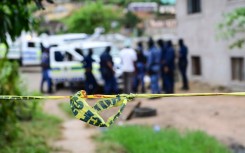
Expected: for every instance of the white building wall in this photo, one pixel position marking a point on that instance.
(199, 31)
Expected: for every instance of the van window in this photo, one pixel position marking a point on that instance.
(96, 51)
(58, 57)
(63, 56)
(31, 44)
(68, 56)
(79, 51)
(53, 45)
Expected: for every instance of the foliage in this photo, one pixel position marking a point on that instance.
(126, 2)
(137, 139)
(23, 127)
(15, 17)
(34, 135)
(11, 111)
(65, 106)
(16, 136)
(91, 16)
(7, 108)
(234, 26)
(130, 20)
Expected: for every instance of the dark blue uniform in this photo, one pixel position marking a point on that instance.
(154, 65)
(183, 52)
(45, 71)
(90, 83)
(140, 73)
(169, 69)
(163, 56)
(110, 83)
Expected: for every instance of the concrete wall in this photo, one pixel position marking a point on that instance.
(200, 34)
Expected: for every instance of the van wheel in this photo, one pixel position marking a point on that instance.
(54, 89)
(59, 86)
(20, 63)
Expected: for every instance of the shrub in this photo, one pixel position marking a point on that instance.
(11, 111)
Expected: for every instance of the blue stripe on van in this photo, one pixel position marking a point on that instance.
(71, 79)
(29, 52)
(31, 58)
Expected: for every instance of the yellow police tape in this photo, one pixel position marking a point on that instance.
(90, 115)
(84, 112)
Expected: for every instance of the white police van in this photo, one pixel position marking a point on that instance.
(25, 49)
(30, 52)
(61, 39)
(66, 61)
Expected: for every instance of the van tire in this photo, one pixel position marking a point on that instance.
(53, 86)
(20, 62)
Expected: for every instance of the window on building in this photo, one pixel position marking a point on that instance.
(196, 65)
(237, 68)
(193, 6)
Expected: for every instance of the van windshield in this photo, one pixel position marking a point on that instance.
(98, 51)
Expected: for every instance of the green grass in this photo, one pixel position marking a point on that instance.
(35, 135)
(65, 106)
(139, 139)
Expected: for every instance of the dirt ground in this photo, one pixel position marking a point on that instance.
(76, 137)
(222, 117)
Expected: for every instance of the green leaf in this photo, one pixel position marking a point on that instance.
(233, 26)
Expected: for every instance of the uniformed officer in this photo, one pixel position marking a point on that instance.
(154, 64)
(169, 68)
(162, 46)
(45, 64)
(90, 83)
(140, 69)
(107, 72)
(183, 62)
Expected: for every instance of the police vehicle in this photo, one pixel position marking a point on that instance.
(61, 39)
(26, 50)
(66, 62)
